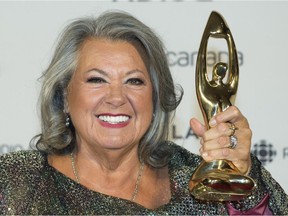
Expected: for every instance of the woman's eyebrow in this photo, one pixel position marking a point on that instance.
(105, 73)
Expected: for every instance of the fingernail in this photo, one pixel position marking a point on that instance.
(212, 122)
(204, 154)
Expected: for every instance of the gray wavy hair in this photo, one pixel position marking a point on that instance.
(56, 137)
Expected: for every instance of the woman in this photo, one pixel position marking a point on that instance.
(106, 103)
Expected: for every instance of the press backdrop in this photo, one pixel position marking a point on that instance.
(28, 31)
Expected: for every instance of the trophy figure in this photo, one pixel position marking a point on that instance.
(219, 180)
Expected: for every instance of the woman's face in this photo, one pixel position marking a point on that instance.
(109, 97)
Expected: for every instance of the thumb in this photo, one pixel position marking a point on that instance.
(197, 127)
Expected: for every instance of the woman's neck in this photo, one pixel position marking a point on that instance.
(108, 160)
(117, 176)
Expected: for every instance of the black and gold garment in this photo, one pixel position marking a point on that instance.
(29, 185)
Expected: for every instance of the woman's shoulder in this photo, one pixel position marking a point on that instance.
(22, 156)
(17, 163)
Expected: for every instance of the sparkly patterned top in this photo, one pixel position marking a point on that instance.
(29, 185)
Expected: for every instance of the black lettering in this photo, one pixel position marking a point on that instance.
(183, 59)
(285, 152)
(240, 58)
(174, 133)
(190, 133)
(211, 58)
(223, 56)
(171, 56)
(193, 58)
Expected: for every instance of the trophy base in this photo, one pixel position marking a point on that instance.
(220, 180)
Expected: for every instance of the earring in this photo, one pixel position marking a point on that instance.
(67, 122)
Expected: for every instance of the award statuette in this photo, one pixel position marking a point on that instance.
(219, 180)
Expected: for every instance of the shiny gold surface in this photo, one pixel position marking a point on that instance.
(218, 180)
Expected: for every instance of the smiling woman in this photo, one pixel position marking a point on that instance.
(106, 104)
(109, 98)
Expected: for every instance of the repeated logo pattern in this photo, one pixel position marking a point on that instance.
(264, 151)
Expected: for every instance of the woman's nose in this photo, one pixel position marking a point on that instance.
(115, 95)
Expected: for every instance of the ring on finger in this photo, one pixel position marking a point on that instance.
(233, 142)
(233, 128)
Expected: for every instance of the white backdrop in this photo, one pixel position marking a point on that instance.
(28, 31)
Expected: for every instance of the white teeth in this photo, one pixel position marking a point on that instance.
(114, 119)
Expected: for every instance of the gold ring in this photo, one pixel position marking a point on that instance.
(233, 128)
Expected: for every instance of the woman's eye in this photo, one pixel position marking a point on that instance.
(135, 81)
(95, 80)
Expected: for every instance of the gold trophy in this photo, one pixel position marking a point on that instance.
(219, 180)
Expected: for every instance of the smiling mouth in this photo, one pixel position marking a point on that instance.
(113, 119)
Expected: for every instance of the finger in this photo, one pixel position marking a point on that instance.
(220, 130)
(239, 158)
(197, 127)
(214, 141)
(218, 143)
(231, 114)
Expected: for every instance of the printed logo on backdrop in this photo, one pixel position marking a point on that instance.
(264, 151)
(153, 0)
(188, 133)
(6, 148)
(189, 58)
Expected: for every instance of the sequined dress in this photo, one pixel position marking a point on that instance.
(29, 185)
